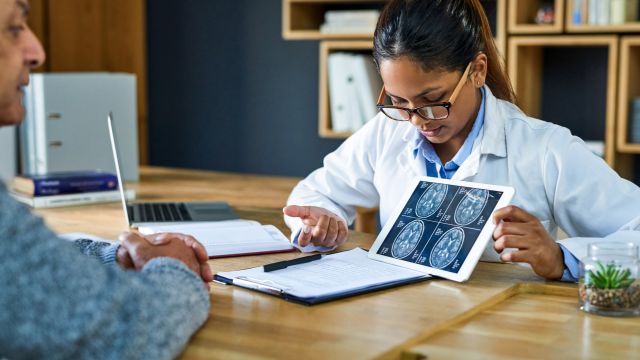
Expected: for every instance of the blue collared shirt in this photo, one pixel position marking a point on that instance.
(435, 168)
(571, 266)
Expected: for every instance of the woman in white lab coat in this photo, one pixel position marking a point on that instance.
(451, 114)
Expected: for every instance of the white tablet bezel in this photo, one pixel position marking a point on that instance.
(476, 250)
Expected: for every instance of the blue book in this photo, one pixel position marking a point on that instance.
(577, 12)
(65, 183)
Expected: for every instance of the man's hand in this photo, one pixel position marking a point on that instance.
(321, 227)
(123, 258)
(519, 229)
(190, 241)
(141, 249)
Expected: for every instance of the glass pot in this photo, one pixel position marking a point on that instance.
(609, 283)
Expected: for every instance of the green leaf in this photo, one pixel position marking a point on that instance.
(609, 276)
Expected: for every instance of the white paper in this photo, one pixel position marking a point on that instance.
(333, 274)
(233, 237)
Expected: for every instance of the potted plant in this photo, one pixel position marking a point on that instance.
(609, 290)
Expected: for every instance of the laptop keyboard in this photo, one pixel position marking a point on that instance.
(161, 212)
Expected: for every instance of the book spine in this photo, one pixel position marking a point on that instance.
(593, 12)
(73, 199)
(577, 12)
(584, 17)
(618, 11)
(632, 11)
(45, 187)
(604, 12)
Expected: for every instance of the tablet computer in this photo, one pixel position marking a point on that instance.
(441, 226)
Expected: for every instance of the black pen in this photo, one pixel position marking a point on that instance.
(283, 264)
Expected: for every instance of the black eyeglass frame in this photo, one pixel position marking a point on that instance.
(410, 111)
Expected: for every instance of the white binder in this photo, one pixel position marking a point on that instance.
(64, 129)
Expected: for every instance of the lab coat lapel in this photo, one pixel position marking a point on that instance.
(412, 165)
(470, 166)
(491, 140)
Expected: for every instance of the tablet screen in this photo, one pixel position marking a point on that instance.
(439, 224)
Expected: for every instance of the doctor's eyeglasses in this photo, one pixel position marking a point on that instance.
(438, 111)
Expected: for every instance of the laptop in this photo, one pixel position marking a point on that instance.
(166, 213)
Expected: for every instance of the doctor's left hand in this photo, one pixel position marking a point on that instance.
(519, 229)
(321, 226)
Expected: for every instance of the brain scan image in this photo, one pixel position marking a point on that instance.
(447, 248)
(471, 206)
(431, 200)
(407, 240)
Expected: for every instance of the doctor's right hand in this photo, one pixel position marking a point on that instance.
(321, 226)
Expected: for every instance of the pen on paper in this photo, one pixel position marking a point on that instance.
(284, 264)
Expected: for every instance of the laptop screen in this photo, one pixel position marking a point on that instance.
(116, 160)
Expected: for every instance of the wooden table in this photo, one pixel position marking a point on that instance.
(503, 311)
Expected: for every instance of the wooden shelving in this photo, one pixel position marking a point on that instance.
(628, 88)
(523, 12)
(525, 63)
(324, 113)
(301, 19)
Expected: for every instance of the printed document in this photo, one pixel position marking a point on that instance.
(335, 274)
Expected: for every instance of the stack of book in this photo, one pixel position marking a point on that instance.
(354, 84)
(350, 22)
(604, 12)
(66, 188)
(634, 134)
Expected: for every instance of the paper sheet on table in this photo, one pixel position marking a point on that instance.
(334, 274)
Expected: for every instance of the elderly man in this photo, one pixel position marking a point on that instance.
(61, 299)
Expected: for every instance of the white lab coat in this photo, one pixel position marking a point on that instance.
(555, 176)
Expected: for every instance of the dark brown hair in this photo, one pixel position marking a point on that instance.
(440, 35)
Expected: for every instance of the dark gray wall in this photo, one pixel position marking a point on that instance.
(576, 99)
(227, 93)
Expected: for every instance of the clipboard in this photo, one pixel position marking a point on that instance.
(365, 276)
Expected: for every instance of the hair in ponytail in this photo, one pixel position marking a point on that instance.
(440, 35)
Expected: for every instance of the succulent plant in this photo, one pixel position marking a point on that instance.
(609, 277)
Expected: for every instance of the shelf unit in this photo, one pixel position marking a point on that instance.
(324, 112)
(628, 88)
(522, 13)
(302, 20)
(525, 64)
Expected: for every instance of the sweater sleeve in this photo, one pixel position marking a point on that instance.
(59, 303)
(101, 250)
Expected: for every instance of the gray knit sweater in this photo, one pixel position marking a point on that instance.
(60, 303)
